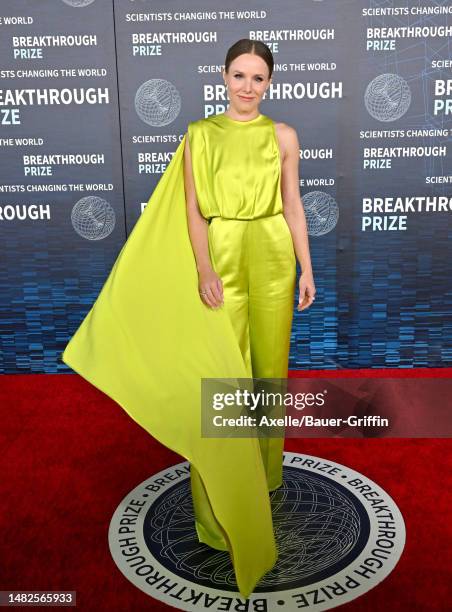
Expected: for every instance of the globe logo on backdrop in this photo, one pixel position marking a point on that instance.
(322, 212)
(157, 102)
(93, 218)
(78, 2)
(334, 540)
(387, 97)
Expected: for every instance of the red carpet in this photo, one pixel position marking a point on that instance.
(70, 454)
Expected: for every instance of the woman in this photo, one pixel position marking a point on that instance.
(150, 337)
(246, 188)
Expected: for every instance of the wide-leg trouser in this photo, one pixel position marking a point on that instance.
(256, 261)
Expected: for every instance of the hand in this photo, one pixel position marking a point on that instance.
(307, 291)
(210, 288)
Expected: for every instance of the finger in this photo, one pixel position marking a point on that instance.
(307, 303)
(220, 286)
(303, 301)
(216, 293)
(204, 296)
(302, 297)
(210, 298)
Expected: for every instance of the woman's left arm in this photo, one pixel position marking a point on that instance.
(294, 213)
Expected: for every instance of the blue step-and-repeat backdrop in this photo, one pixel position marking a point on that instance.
(95, 96)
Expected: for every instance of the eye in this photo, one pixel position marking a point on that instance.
(239, 76)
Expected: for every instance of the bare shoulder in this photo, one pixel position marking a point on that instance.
(194, 128)
(287, 137)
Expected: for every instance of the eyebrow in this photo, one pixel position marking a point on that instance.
(258, 74)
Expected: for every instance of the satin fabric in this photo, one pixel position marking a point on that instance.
(238, 187)
(238, 168)
(256, 262)
(148, 339)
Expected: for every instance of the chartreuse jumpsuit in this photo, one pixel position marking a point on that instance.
(237, 174)
(148, 340)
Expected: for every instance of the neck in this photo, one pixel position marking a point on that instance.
(241, 116)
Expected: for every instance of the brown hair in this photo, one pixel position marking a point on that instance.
(246, 45)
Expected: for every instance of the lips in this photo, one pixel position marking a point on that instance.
(245, 98)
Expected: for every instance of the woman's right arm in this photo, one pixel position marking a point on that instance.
(209, 281)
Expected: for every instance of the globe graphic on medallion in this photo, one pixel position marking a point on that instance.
(157, 102)
(387, 97)
(78, 2)
(322, 212)
(317, 527)
(93, 218)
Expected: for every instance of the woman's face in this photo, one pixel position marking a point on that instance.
(247, 80)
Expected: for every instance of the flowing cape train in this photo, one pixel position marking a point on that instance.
(146, 343)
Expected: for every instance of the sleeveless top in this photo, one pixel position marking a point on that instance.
(236, 167)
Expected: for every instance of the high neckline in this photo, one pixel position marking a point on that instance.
(241, 122)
